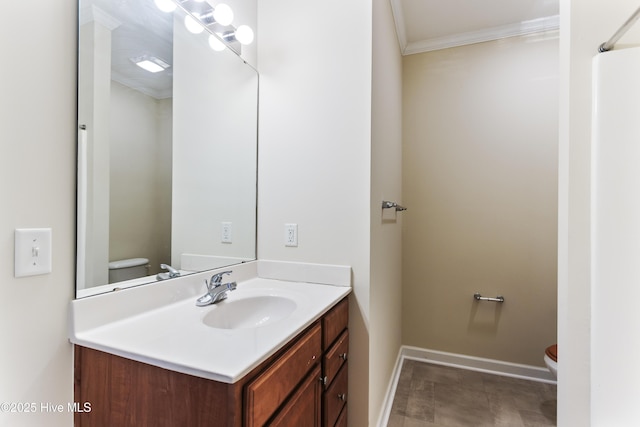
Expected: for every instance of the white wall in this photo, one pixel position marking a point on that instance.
(214, 150)
(315, 150)
(386, 226)
(583, 27)
(37, 189)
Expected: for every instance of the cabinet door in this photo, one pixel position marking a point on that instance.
(342, 419)
(303, 409)
(270, 389)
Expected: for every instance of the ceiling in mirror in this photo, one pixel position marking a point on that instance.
(138, 29)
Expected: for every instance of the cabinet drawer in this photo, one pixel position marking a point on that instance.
(335, 358)
(335, 398)
(271, 388)
(334, 322)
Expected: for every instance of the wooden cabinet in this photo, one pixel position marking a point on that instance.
(303, 384)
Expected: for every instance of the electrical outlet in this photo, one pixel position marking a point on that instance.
(291, 235)
(32, 251)
(226, 232)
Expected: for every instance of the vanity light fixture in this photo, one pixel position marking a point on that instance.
(201, 15)
(150, 63)
(222, 14)
(193, 23)
(242, 34)
(216, 44)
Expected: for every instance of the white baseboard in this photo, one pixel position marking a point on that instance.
(490, 366)
(383, 418)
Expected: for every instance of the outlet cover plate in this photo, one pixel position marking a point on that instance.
(291, 235)
(226, 232)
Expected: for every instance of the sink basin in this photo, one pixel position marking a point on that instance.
(250, 312)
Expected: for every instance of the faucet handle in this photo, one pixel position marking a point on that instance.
(172, 271)
(216, 279)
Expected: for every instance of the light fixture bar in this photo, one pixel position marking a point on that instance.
(217, 21)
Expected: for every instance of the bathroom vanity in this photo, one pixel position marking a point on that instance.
(176, 364)
(303, 384)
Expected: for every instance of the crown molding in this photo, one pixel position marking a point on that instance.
(401, 29)
(549, 23)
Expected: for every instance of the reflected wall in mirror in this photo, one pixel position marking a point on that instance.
(167, 158)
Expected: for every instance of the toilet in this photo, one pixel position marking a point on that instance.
(127, 269)
(551, 359)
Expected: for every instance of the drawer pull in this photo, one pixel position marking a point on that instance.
(343, 356)
(342, 396)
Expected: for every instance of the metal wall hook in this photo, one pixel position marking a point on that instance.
(388, 205)
(479, 297)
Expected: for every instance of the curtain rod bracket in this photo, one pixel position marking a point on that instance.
(608, 45)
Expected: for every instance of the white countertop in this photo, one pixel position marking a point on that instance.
(168, 331)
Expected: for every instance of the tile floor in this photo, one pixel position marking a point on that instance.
(434, 395)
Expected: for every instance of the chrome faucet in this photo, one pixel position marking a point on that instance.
(170, 275)
(216, 290)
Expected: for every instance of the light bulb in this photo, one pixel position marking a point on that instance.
(244, 34)
(151, 67)
(223, 14)
(193, 25)
(165, 5)
(216, 44)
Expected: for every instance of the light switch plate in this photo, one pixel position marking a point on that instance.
(32, 251)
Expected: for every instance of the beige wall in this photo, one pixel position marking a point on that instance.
(37, 189)
(480, 179)
(386, 226)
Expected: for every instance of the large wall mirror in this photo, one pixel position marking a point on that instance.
(167, 155)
